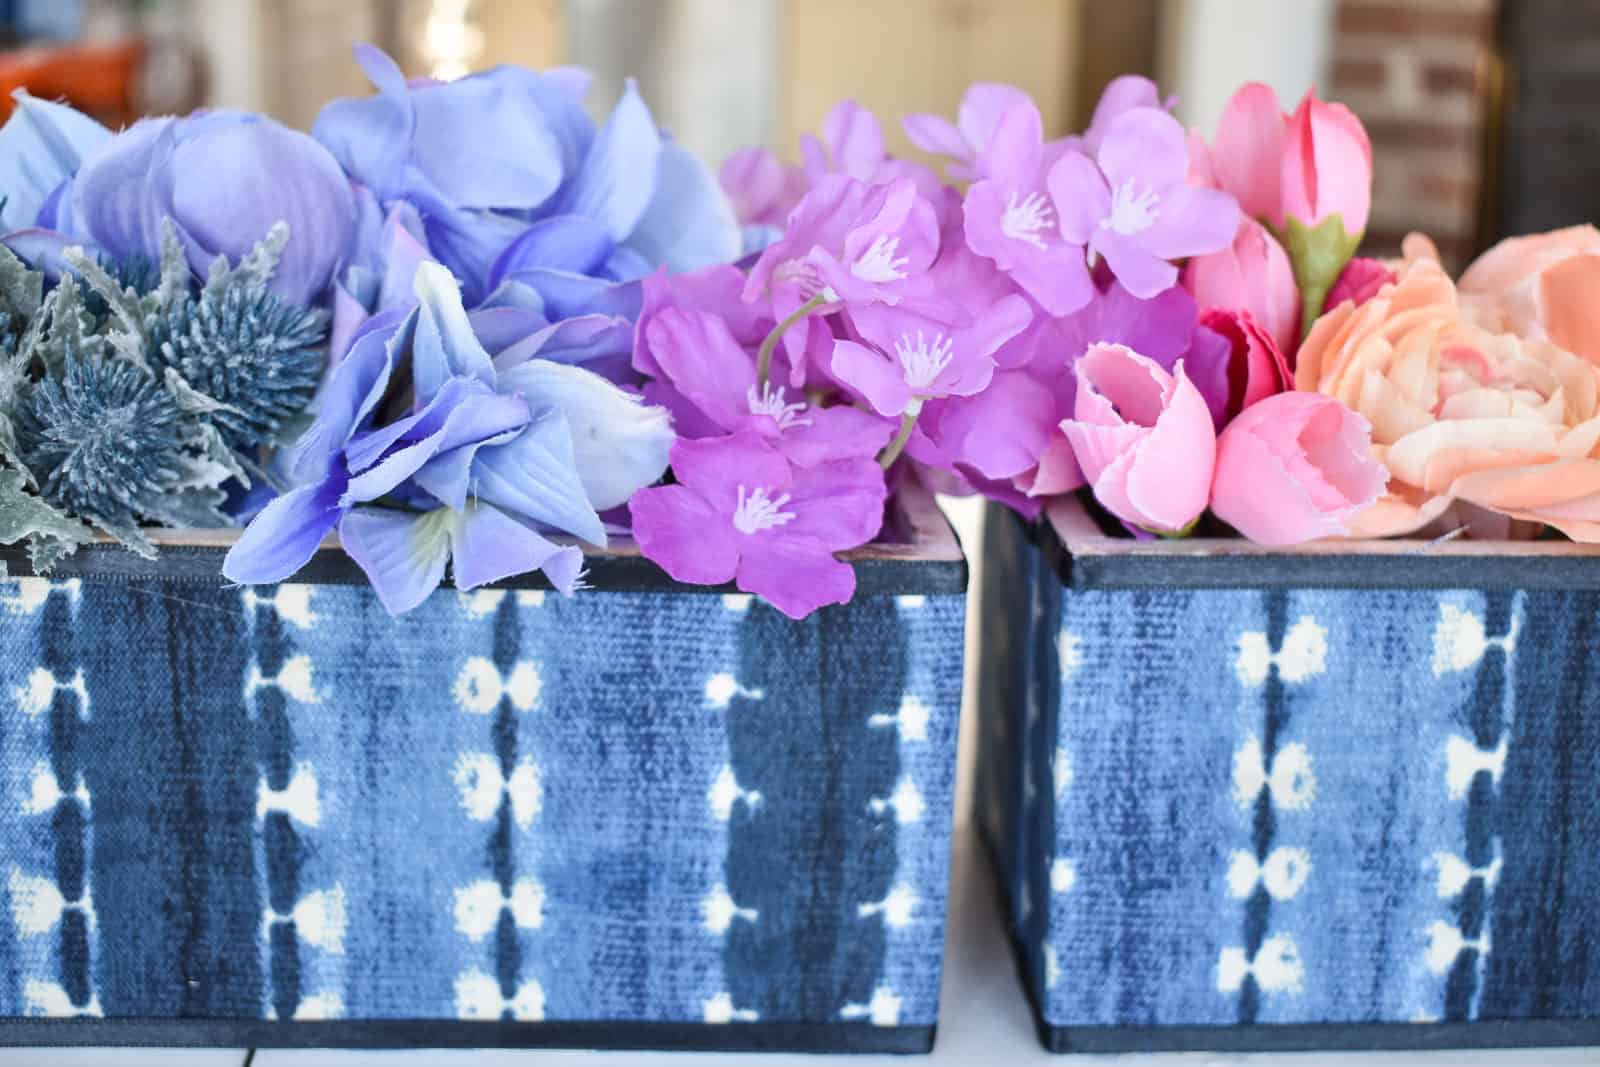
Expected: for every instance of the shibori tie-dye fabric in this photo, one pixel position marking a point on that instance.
(282, 804)
(1299, 806)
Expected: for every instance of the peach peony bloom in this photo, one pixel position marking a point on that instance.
(1541, 287)
(1460, 412)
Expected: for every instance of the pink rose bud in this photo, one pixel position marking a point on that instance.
(1360, 281)
(1257, 367)
(1295, 467)
(1327, 166)
(1253, 275)
(1144, 439)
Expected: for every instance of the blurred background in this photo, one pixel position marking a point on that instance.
(1481, 112)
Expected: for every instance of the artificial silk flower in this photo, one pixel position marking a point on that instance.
(700, 358)
(740, 512)
(762, 189)
(1253, 366)
(1540, 287)
(1253, 275)
(1122, 94)
(222, 179)
(42, 145)
(1011, 219)
(1164, 329)
(966, 142)
(1360, 281)
(1143, 438)
(1295, 467)
(910, 358)
(1308, 176)
(511, 446)
(846, 242)
(1459, 413)
(1133, 205)
(627, 198)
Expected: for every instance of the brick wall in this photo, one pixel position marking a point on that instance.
(1419, 73)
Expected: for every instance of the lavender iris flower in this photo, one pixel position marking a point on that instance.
(493, 454)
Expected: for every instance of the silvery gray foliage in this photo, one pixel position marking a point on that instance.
(125, 393)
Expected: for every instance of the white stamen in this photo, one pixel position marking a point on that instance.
(799, 273)
(770, 401)
(1132, 211)
(757, 511)
(878, 262)
(922, 360)
(1024, 219)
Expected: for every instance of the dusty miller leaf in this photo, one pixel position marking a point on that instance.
(24, 516)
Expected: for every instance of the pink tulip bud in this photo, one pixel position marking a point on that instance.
(1253, 275)
(1327, 166)
(1257, 367)
(1295, 467)
(1143, 438)
(1248, 160)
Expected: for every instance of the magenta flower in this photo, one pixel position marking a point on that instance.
(762, 189)
(1132, 204)
(966, 142)
(707, 367)
(1011, 220)
(741, 513)
(908, 358)
(848, 241)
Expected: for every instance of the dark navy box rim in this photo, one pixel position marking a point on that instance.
(931, 565)
(1281, 1037)
(845, 1037)
(1086, 560)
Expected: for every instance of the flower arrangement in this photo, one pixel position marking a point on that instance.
(463, 327)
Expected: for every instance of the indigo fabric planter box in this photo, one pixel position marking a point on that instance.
(1340, 797)
(647, 816)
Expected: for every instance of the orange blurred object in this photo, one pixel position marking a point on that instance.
(98, 79)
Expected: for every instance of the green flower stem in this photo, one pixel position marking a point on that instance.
(764, 356)
(1318, 255)
(908, 422)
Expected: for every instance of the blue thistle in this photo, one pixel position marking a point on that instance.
(241, 345)
(137, 272)
(10, 333)
(104, 441)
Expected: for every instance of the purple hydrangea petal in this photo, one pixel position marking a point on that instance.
(285, 535)
(562, 242)
(515, 162)
(935, 135)
(445, 346)
(716, 467)
(854, 139)
(41, 146)
(619, 445)
(1015, 147)
(689, 223)
(488, 545)
(348, 399)
(617, 179)
(112, 197)
(463, 413)
(468, 242)
(232, 176)
(567, 295)
(403, 553)
(837, 505)
(601, 342)
(534, 476)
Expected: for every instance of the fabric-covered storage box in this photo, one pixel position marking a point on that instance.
(1340, 797)
(646, 816)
